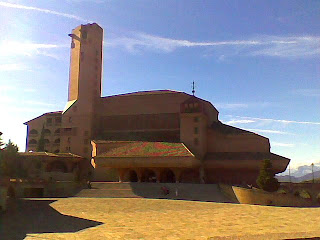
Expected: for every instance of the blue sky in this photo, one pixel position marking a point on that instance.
(256, 61)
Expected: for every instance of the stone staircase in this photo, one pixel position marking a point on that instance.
(181, 191)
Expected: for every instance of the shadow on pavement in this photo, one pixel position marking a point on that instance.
(25, 216)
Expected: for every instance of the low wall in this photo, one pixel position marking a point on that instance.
(312, 188)
(58, 176)
(22, 189)
(62, 189)
(3, 199)
(228, 192)
(259, 197)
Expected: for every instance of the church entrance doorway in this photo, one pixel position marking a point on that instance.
(168, 176)
(149, 176)
(133, 177)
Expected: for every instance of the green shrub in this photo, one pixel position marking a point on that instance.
(305, 194)
(266, 179)
(282, 191)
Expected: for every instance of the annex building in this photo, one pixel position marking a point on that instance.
(163, 135)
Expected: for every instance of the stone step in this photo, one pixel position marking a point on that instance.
(200, 192)
(102, 193)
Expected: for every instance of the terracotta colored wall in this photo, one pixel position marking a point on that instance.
(195, 141)
(142, 104)
(140, 122)
(231, 176)
(86, 63)
(80, 121)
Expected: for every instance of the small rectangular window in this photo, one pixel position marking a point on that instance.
(196, 119)
(86, 141)
(196, 130)
(86, 133)
(58, 120)
(196, 141)
(70, 119)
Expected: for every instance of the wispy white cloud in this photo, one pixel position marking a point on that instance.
(143, 40)
(275, 46)
(293, 47)
(13, 48)
(241, 121)
(269, 131)
(270, 120)
(307, 92)
(279, 144)
(12, 67)
(48, 11)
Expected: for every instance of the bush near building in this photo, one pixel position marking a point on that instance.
(266, 179)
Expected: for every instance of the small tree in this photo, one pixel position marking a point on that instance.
(41, 142)
(10, 159)
(266, 179)
(1, 143)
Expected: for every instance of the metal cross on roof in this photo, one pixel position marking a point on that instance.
(193, 91)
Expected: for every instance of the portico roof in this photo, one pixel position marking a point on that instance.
(149, 149)
(147, 154)
(50, 156)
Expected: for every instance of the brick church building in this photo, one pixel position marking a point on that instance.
(156, 136)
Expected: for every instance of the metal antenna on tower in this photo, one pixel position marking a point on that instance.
(193, 91)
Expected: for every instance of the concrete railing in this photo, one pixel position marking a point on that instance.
(260, 197)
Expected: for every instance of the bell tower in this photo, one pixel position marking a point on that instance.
(193, 126)
(78, 117)
(85, 63)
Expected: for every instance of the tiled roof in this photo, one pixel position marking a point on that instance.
(49, 154)
(149, 149)
(226, 129)
(37, 154)
(68, 155)
(151, 92)
(242, 156)
(48, 113)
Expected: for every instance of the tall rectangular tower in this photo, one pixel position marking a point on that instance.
(78, 117)
(86, 62)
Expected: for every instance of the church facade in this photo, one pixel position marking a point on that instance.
(162, 136)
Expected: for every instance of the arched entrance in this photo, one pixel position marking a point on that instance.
(167, 176)
(149, 176)
(132, 176)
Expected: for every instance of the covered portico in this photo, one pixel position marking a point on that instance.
(148, 162)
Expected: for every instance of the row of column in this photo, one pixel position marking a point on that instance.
(144, 173)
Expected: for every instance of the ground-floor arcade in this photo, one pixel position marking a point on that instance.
(160, 175)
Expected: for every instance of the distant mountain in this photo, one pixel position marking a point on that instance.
(295, 179)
